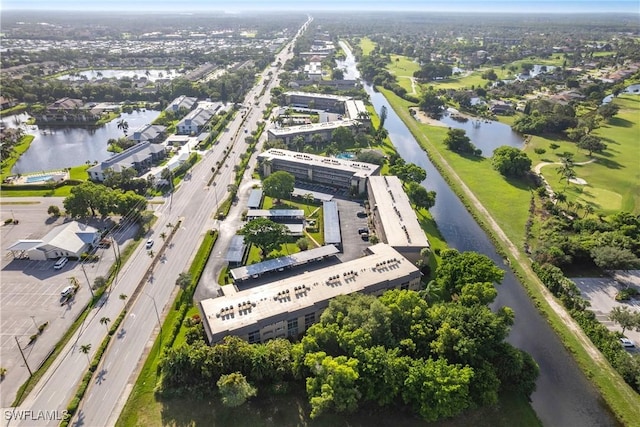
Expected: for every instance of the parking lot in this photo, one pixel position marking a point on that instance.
(601, 293)
(31, 293)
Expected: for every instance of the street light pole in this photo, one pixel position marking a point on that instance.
(88, 282)
(23, 358)
(155, 307)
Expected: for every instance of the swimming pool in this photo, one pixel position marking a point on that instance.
(32, 179)
(345, 156)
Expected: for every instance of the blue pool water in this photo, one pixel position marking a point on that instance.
(346, 156)
(32, 179)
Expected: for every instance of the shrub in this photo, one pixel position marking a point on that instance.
(626, 294)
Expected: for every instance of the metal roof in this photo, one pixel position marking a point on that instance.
(243, 273)
(24, 245)
(331, 223)
(236, 249)
(255, 197)
(323, 197)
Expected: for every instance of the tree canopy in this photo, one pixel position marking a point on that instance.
(92, 198)
(458, 141)
(510, 161)
(279, 185)
(420, 197)
(265, 234)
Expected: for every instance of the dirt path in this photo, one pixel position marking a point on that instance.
(524, 262)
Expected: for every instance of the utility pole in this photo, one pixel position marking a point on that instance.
(88, 282)
(155, 307)
(23, 358)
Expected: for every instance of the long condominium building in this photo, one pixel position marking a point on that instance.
(325, 130)
(339, 173)
(394, 219)
(290, 306)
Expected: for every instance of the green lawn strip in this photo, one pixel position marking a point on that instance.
(79, 173)
(403, 68)
(19, 148)
(17, 109)
(367, 45)
(142, 407)
(622, 400)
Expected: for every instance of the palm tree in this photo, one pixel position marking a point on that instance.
(86, 348)
(123, 297)
(588, 210)
(105, 321)
(123, 125)
(561, 197)
(163, 235)
(566, 169)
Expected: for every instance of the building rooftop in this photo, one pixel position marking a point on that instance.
(401, 226)
(128, 157)
(312, 127)
(331, 223)
(275, 299)
(271, 213)
(255, 197)
(181, 102)
(236, 249)
(354, 107)
(318, 95)
(358, 169)
(243, 273)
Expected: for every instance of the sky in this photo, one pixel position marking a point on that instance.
(510, 6)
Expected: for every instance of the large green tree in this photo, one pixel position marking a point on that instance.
(420, 197)
(408, 172)
(458, 269)
(592, 143)
(458, 141)
(279, 185)
(265, 234)
(510, 161)
(86, 197)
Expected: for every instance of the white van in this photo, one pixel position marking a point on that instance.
(61, 262)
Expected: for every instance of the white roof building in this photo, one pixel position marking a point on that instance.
(71, 240)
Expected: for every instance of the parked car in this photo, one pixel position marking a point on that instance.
(361, 214)
(365, 236)
(149, 244)
(60, 263)
(627, 343)
(363, 230)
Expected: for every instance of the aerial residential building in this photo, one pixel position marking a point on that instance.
(394, 219)
(151, 133)
(340, 173)
(313, 70)
(318, 101)
(289, 306)
(67, 111)
(182, 103)
(325, 130)
(194, 122)
(139, 157)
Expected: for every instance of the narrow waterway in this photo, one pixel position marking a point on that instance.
(564, 396)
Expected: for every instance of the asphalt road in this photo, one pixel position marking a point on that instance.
(195, 202)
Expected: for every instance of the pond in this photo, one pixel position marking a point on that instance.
(635, 89)
(487, 135)
(154, 74)
(57, 148)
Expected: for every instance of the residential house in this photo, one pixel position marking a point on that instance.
(139, 157)
(194, 122)
(152, 133)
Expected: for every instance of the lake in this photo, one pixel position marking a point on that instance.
(59, 147)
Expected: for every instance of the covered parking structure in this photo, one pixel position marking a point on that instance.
(256, 270)
(20, 249)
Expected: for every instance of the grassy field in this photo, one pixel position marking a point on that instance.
(403, 68)
(367, 45)
(21, 147)
(612, 180)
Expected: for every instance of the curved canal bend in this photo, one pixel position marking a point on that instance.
(564, 396)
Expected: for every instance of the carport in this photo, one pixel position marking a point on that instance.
(20, 248)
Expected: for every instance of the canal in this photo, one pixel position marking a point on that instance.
(564, 396)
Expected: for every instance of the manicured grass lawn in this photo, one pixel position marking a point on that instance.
(511, 209)
(403, 68)
(19, 148)
(612, 180)
(367, 45)
(79, 172)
